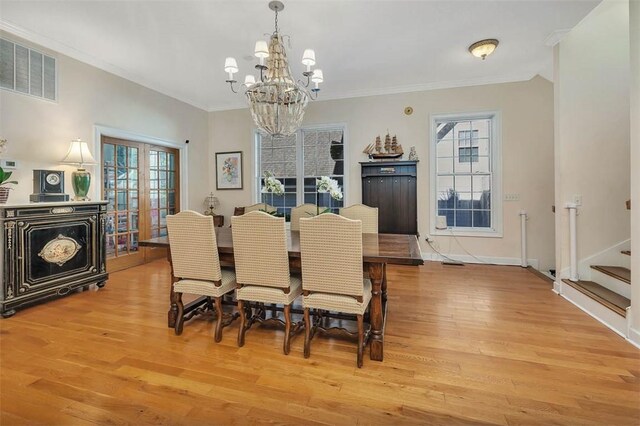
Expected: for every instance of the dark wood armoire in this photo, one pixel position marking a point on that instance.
(391, 187)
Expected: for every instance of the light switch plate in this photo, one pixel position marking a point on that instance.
(512, 197)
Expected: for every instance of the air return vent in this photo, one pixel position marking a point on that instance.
(27, 71)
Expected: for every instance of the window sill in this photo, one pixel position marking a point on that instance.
(492, 233)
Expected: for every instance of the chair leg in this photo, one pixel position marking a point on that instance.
(307, 333)
(287, 329)
(360, 339)
(243, 321)
(180, 315)
(218, 335)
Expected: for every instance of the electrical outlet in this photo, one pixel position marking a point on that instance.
(512, 197)
(577, 200)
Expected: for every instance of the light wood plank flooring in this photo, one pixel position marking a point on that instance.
(464, 345)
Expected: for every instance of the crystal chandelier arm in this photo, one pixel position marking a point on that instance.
(262, 69)
(231, 85)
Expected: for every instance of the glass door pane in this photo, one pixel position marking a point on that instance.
(120, 188)
(163, 184)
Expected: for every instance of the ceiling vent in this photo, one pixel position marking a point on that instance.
(27, 71)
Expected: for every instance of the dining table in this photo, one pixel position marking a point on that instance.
(378, 251)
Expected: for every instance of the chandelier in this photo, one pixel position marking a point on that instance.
(277, 101)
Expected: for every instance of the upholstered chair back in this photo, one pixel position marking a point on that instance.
(260, 250)
(303, 211)
(194, 248)
(331, 252)
(259, 207)
(368, 216)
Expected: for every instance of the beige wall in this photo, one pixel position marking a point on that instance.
(527, 140)
(634, 28)
(592, 139)
(39, 131)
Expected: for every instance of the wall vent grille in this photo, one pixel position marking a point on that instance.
(27, 71)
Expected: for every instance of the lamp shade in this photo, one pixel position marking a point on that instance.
(261, 50)
(317, 76)
(309, 57)
(79, 154)
(249, 80)
(230, 65)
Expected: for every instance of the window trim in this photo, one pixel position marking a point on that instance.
(255, 166)
(496, 231)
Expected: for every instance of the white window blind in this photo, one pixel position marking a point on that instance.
(297, 161)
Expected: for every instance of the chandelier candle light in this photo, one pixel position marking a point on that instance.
(80, 155)
(277, 102)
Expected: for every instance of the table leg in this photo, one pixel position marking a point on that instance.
(172, 315)
(376, 274)
(384, 282)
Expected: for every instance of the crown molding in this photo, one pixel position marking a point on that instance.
(394, 90)
(555, 37)
(86, 58)
(71, 52)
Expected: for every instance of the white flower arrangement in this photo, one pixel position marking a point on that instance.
(272, 185)
(326, 184)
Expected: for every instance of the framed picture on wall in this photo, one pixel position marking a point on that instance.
(229, 170)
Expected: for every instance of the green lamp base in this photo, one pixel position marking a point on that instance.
(81, 181)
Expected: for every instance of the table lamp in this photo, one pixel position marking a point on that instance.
(80, 155)
(211, 203)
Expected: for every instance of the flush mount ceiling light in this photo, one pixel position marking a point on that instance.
(483, 48)
(276, 100)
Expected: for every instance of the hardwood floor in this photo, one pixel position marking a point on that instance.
(464, 345)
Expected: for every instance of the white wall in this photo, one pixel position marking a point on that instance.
(592, 134)
(527, 140)
(634, 29)
(39, 131)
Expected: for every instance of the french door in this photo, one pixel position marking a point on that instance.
(141, 185)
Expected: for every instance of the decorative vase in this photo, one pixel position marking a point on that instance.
(4, 194)
(81, 180)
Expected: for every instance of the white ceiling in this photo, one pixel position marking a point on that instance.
(363, 47)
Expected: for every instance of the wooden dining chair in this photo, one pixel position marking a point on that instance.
(196, 265)
(260, 207)
(302, 211)
(262, 271)
(332, 277)
(368, 216)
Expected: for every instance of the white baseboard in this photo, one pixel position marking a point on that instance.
(634, 337)
(508, 261)
(601, 313)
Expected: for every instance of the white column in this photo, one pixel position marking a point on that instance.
(573, 242)
(523, 238)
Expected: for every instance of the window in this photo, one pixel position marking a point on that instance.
(468, 147)
(27, 71)
(465, 174)
(297, 161)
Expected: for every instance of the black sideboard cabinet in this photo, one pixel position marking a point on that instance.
(49, 250)
(391, 187)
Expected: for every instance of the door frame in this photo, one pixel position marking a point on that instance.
(99, 131)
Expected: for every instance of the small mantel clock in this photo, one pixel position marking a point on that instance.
(48, 186)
